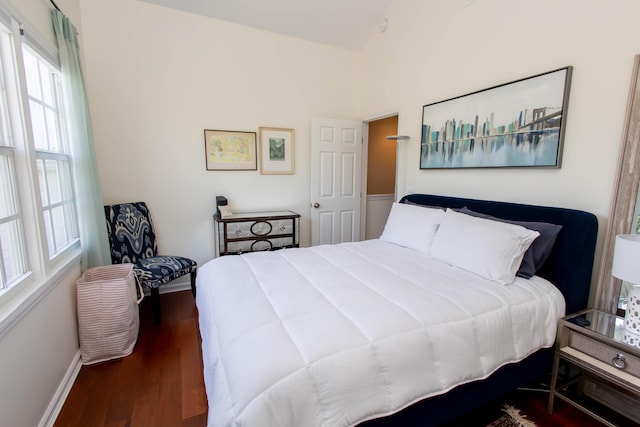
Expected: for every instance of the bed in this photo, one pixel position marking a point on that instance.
(392, 331)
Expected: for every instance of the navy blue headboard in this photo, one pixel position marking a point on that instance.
(570, 264)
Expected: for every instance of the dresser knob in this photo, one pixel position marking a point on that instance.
(619, 361)
(283, 228)
(238, 232)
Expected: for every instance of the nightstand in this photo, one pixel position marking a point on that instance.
(595, 370)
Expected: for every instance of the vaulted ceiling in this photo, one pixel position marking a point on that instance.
(343, 23)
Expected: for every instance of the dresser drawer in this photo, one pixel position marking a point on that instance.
(237, 230)
(250, 246)
(259, 228)
(605, 353)
(282, 226)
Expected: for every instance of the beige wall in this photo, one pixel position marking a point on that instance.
(37, 17)
(381, 156)
(437, 49)
(158, 77)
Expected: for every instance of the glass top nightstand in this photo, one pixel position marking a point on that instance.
(595, 369)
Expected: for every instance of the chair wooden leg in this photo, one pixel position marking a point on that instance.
(155, 305)
(193, 282)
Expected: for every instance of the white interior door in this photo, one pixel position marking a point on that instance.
(336, 180)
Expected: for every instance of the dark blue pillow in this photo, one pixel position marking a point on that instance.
(535, 257)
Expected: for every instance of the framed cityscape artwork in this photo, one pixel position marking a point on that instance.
(516, 124)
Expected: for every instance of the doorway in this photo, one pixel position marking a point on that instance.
(380, 174)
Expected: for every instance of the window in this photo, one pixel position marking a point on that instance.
(13, 259)
(52, 152)
(38, 218)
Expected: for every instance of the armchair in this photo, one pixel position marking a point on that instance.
(133, 240)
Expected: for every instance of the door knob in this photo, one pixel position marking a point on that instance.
(316, 205)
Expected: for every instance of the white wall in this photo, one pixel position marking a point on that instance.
(158, 77)
(438, 49)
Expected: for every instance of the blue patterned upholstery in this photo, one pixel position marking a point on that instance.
(133, 240)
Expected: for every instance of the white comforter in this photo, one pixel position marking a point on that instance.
(335, 335)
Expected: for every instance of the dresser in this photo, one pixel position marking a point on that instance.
(256, 231)
(596, 369)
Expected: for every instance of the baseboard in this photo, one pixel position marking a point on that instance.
(379, 197)
(174, 286)
(60, 396)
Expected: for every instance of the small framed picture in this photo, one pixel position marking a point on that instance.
(230, 150)
(276, 151)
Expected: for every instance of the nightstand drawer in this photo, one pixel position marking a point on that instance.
(605, 353)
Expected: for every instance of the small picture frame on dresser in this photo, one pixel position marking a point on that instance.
(276, 151)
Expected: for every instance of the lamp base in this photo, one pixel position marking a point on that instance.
(632, 315)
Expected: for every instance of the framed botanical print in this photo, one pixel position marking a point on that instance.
(276, 151)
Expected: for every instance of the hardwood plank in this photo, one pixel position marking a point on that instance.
(196, 421)
(126, 389)
(101, 390)
(170, 412)
(79, 397)
(194, 398)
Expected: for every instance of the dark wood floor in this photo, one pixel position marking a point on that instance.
(161, 383)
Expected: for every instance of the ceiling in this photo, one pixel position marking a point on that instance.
(343, 23)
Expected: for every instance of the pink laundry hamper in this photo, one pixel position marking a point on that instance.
(108, 318)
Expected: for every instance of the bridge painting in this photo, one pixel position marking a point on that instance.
(517, 124)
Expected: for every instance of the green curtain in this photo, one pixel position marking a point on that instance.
(93, 232)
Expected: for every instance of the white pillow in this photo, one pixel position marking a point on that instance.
(412, 226)
(488, 248)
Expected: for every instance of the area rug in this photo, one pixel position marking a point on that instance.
(512, 418)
